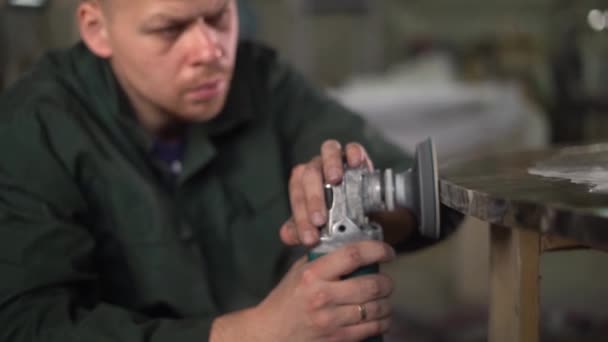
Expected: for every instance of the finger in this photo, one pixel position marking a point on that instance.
(355, 290)
(361, 289)
(360, 332)
(288, 233)
(306, 232)
(373, 311)
(312, 181)
(356, 156)
(331, 155)
(347, 259)
(345, 315)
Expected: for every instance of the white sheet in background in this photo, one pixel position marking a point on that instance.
(414, 101)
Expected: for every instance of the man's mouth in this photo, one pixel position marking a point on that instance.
(207, 91)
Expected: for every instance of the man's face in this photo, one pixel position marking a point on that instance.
(173, 57)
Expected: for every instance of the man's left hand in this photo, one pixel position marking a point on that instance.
(306, 190)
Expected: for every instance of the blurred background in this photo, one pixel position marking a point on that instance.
(480, 76)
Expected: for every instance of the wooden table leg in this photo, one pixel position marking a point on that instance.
(514, 285)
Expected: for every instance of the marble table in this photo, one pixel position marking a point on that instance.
(535, 201)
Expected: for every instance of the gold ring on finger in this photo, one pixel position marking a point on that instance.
(362, 312)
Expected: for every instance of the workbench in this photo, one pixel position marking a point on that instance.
(535, 202)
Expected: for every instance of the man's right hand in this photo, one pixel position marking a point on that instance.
(313, 303)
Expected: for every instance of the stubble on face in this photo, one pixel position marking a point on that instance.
(174, 58)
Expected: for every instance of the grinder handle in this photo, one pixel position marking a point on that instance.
(370, 269)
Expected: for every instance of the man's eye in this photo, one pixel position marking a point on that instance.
(218, 20)
(170, 31)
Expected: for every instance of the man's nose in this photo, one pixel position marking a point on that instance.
(204, 46)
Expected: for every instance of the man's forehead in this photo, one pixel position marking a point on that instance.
(170, 5)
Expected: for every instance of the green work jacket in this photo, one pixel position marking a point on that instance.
(98, 242)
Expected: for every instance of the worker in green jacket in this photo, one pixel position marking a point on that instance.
(157, 178)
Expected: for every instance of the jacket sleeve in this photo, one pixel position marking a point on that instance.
(307, 117)
(48, 281)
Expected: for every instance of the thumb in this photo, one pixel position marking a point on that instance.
(288, 233)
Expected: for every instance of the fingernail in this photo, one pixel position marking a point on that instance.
(318, 219)
(309, 238)
(393, 253)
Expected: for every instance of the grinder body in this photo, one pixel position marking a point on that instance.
(363, 192)
(348, 221)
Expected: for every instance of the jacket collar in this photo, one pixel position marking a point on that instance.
(98, 85)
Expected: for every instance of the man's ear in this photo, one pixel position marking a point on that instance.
(93, 27)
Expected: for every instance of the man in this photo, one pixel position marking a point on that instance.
(145, 174)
